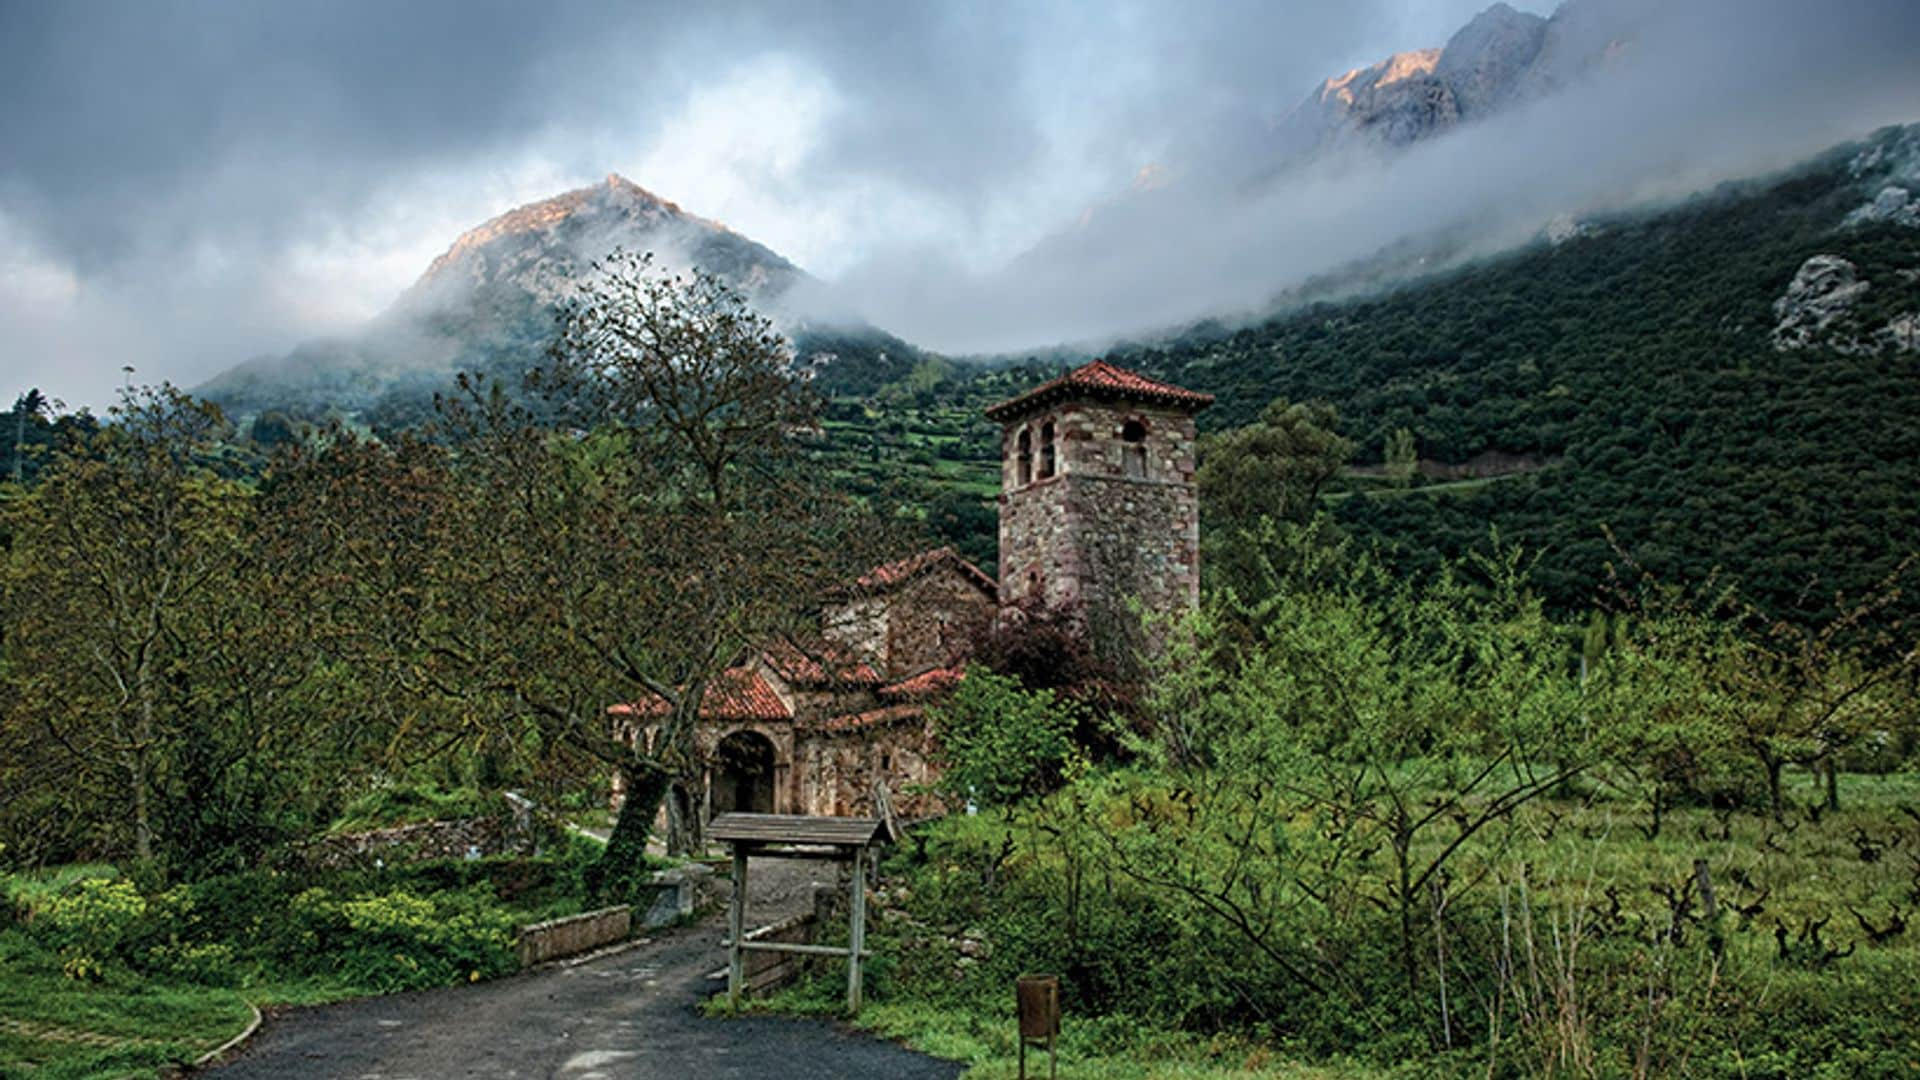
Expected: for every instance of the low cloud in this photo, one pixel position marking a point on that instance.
(189, 184)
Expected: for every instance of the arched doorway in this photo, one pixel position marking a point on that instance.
(743, 774)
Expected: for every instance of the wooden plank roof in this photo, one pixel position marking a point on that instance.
(796, 829)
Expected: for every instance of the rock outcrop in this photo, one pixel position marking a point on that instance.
(1819, 311)
(1893, 204)
(1822, 294)
(542, 249)
(1502, 58)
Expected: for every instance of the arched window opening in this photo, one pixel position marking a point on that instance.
(1046, 450)
(1025, 456)
(1133, 450)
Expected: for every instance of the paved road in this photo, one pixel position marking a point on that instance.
(631, 1014)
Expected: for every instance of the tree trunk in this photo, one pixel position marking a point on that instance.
(686, 833)
(1833, 782)
(1775, 799)
(1403, 857)
(139, 767)
(620, 867)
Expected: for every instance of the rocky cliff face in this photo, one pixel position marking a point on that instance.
(1502, 58)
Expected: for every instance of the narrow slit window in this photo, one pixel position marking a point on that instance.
(1025, 457)
(1133, 449)
(1046, 450)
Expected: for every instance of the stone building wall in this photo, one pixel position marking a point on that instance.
(1103, 528)
(838, 769)
(926, 622)
(934, 621)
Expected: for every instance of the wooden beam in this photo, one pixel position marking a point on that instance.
(751, 945)
(857, 941)
(736, 927)
(815, 854)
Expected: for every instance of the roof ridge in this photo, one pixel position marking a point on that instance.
(1101, 378)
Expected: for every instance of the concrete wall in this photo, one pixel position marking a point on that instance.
(555, 938)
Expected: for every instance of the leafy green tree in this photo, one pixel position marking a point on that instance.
(1401, 722)
(1260, 486)
(1275, 467)
(1000, 742)
(1403, 460)
(125, 537)
(636, 562)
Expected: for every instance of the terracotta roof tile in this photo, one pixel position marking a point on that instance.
(808, 667)
(1100, 379)
(890, 714)
(894, 574)
(925, 685)
(738, 694)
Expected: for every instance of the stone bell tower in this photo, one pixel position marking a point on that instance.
(1097, 497)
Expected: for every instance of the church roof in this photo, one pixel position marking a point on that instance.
(1105, 382)
(898, 573)
(740, 693)
(809, 666)
(887, 714)
(927, 684)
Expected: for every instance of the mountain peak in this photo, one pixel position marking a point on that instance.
(1483, 60)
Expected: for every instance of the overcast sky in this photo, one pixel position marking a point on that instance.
(186, 185)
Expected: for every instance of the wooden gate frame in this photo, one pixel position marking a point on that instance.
(794, 836)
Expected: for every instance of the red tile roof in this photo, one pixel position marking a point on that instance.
(927, 684)
(808, 666)
(738, 694)
(1104, 381)
(895, 574)
(891, 714)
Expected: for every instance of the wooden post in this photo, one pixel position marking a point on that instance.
(737, 926)
(857, 932)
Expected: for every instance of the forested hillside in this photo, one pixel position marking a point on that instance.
(1626, 380)
(1636, 369)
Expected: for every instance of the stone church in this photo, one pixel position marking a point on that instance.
(1097, 508)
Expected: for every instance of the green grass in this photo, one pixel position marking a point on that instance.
(1767, 1016)
(124, 1024)
(136, 1012)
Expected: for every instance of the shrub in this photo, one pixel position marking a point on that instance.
(402, 941)
(1000, 741)
(89, 924)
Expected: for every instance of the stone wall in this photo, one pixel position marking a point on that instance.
(1104, 529)
(934, 621)
(838, 769)
(455, 839)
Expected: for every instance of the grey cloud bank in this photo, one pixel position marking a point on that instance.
(185, 185)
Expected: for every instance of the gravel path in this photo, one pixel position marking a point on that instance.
(631, 1014)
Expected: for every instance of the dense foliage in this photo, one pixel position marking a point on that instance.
(1420, 827)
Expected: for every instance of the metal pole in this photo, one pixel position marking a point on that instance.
(858, 930)
(736, 926)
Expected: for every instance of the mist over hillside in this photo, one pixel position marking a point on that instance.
(1445, 154)
(1518, 126)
